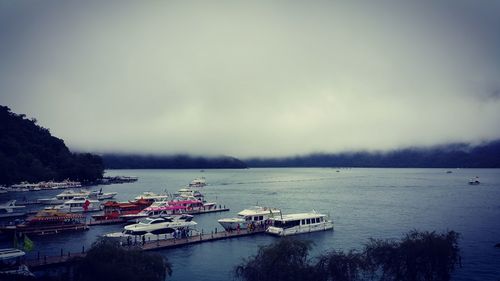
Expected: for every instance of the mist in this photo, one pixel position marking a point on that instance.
(253, 78)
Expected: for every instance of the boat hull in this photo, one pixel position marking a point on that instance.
(299, 229)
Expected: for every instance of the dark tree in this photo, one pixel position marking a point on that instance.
(284, 260)
(107, 260)
(340, 266)
(419, 256)
(28, 152)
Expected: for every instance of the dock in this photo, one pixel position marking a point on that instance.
(42, 261)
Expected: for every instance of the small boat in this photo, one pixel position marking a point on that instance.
(7, 210)
(64, 196)
(153, 228)
(198, 182)
(114, 210)
(256, 215)
(99, 195)
(299, 223)
(77, 205)
(474, 181)
(49, 222)
(151, 196)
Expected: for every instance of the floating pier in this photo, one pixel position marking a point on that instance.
(42, 261)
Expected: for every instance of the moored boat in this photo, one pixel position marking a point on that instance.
(99, 195)
(257, 215)
(151, 196)
(8, 210)
(77, 205)
(299, 223)
(64, 196)
(156, 228)
(114, 210)
(49, 222)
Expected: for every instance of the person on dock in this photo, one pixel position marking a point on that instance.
(143, 240)
(238, 228)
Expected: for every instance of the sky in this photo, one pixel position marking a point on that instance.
(253, 78)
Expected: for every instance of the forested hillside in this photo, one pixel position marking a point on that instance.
(28, 152)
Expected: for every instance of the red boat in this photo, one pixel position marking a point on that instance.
(113, 210)
(50, 222)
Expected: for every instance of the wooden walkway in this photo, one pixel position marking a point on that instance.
(47, 261)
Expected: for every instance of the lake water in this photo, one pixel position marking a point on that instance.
(364, 203)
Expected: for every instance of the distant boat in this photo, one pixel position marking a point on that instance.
(449, 172)
(198, 182)
(474, 181)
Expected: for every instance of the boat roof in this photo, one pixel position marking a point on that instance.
(299, 216)
(10, 253)
(257, 210)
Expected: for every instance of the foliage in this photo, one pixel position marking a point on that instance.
(29, 152)
(285, 260)
(419, 256)
(340, 266)
(107, 260)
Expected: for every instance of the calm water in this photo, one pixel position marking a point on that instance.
(364, 203)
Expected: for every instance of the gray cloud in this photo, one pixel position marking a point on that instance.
(253, 78)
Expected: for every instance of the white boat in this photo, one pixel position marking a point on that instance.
(151, 196)
(10, 260)
(474, 181)
(299, 223)
(8, 210)
(10, 254)
(64, 196)
(198, 182)
(99, 195)
(189, 193)
(156, 228)
(256, 215)
(77, 205)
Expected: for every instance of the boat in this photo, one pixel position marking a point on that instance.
(156, 228)
(10, 263)
(188, 192)
(77, 205)
(99, 195)
(49, 222)
(178, 205)
(7, 210)
(198, 182)
(151, 196)
(114, 210)
(474, 181)
(64, 196)
(299, 223)
(256, 215)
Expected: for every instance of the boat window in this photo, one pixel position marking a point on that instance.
(303, 222)
(261, 218)
(308, 221)
(163, 231)
(248, 218)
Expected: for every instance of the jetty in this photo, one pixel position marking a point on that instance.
(43, 261)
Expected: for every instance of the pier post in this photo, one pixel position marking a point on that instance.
(38, 255)
(69, 254)
(83, 249)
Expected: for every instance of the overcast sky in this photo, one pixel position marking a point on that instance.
(254, 78)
